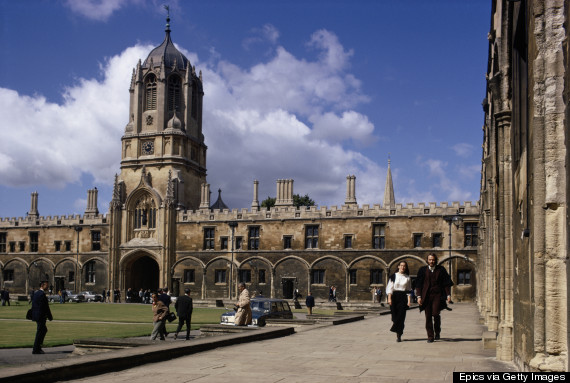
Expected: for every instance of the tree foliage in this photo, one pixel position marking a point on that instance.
(298, 200)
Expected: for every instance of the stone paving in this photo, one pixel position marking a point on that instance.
(363, 352)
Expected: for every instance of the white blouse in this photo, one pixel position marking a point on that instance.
(402, 283)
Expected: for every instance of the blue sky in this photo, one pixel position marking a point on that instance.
(307, 90)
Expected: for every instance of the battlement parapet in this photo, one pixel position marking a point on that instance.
(64, 220)
(344, 211)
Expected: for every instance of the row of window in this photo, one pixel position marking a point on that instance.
(11, 246)
(317, 276)
(312, 238)
(89, 269)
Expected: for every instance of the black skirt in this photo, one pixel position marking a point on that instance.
(398, 308)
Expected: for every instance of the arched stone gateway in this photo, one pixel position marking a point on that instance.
(142, 272)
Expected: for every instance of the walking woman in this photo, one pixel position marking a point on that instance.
(159, 311)
(399, 297)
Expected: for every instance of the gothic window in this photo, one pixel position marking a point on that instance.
(150, 92)
(261, 276)
(224, 243)
(375, 276)
(348, 241)
(239, 241)
(287, 241)
(12, 247)
(189, 276)
(34, 241)
(318, 277)
(90, 272)
(352, 276)
(145, 213)
(253, 243)
(95, 240)
(437, 239)
(417, 240)
(220, 276)
(379, 236)
(463, 277)
(174, 93)
(209, 238)
(312, 237)
(470, 233)
(2, 242)
(245, 276)
(57, 245)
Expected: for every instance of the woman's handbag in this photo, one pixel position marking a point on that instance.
(171, 317)
(29, 314)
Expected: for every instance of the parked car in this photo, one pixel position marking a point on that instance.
(91, 296)
(73, 297)
(53, 297)
(261, 310)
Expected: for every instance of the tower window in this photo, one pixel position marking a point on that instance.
(437, 239)
(34, 241)
(95, 240)
(174, 93)
(150, 90)
(194, 101)
(2, 242)
(417, 240)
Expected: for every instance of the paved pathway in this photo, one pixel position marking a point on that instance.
(362, 352)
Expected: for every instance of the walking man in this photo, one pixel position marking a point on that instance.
(310, 302)
(433, 288)
(184, 308)
(40, 313)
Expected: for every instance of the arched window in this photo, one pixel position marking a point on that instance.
(150, 92)
(90, 272)
(174, 93)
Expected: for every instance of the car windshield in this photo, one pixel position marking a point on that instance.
(260, 306)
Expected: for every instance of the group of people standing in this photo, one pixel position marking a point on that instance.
(433, 291)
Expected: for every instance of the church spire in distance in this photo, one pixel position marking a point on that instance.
(389, 200)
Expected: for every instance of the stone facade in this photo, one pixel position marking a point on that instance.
(523, 248)
(161, 229)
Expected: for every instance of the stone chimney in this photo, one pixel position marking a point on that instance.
(350, 190)
(255, 203)
(205, 196)
(284, 193)
(33, 213)
(92, 202)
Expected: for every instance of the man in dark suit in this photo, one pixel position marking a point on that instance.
(310, 302)
(433, 289)
(184, 308)
(40, 313)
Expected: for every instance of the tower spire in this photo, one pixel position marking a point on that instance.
(167, 30)
(389, 200)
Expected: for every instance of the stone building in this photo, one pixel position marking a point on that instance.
(162, 230)
(523, 249)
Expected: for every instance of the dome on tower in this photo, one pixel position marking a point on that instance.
(166, 52)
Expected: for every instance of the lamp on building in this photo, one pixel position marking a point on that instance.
(233, 225)
(78, 229)
(456, 220)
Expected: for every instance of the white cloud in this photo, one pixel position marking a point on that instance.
(267, 33)
(95, 9)
(257, 124)
(463, 149)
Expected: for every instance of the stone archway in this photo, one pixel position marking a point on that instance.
(143, 272)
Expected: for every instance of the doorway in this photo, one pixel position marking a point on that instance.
(288, 287)
(142, 273)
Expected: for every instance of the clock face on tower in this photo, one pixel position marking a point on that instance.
(147, 147)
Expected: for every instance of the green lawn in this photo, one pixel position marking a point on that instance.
(135, 320)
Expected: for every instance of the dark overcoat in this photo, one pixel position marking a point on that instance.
(40, 307)
(184, 306)
(429, 293)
